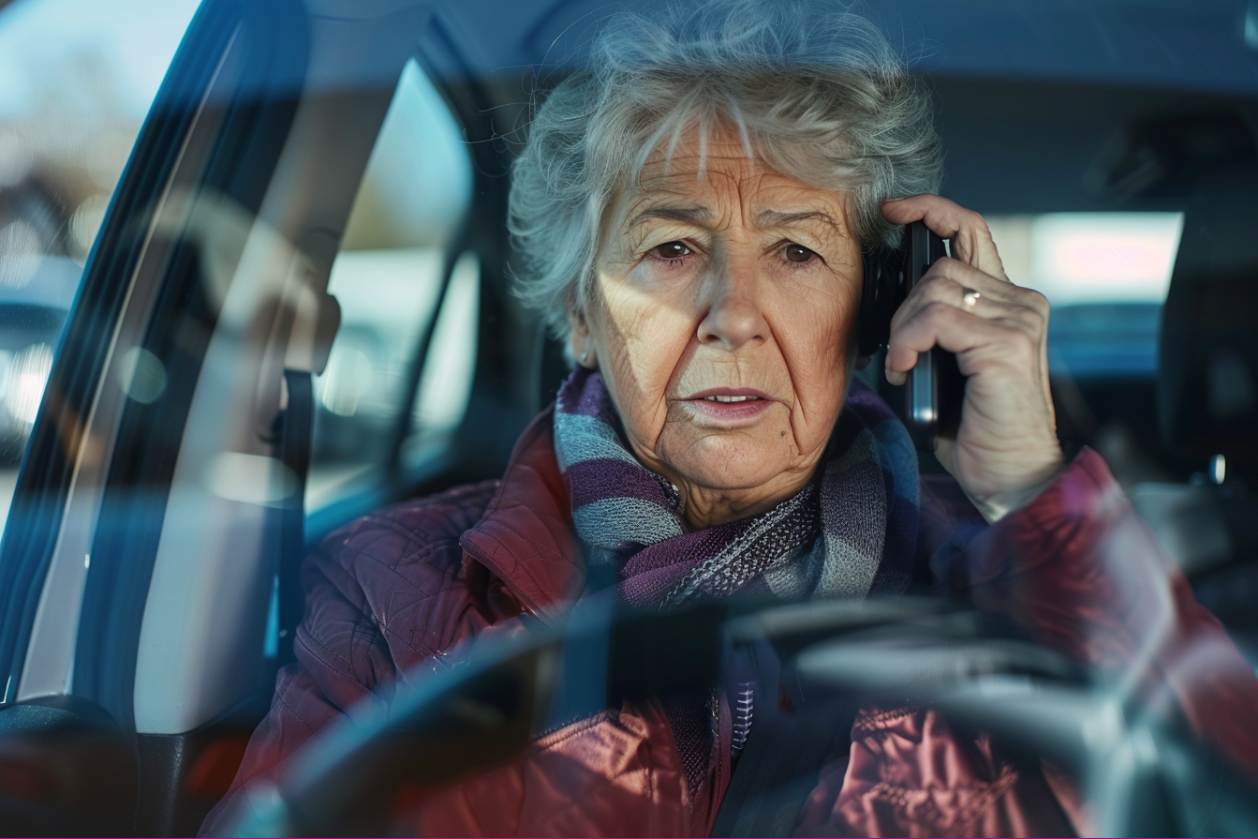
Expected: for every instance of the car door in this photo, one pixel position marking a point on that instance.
(211, 390)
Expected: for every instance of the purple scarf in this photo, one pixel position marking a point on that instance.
(849, 533)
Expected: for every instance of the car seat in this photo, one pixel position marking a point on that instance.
(1207, 398)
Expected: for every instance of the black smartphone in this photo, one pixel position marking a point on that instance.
(935, 388)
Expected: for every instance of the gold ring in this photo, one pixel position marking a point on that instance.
(969, 298)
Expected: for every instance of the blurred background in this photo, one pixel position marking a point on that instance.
(76, 81)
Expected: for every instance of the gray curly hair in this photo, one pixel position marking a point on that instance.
(813, 89)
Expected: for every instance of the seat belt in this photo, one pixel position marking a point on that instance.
(293, 439)
(777, 770)
(780, 763)
(304, 324)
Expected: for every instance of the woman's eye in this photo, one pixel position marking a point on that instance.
(672, 250)
(798, 253)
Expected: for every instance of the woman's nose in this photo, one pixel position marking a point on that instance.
(734, 316)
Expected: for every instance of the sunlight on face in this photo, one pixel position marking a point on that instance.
(722, 318)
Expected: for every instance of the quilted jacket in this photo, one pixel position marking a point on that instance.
(390, 595)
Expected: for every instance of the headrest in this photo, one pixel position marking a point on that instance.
(1208, 364)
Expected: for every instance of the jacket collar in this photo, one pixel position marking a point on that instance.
(525, 536)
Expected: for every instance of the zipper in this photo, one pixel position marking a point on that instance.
(744, 711)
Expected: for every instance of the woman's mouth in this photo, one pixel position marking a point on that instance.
(728, 407)
(729, 398)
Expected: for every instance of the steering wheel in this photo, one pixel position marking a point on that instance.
(823, 656)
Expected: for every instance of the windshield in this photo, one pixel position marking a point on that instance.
(728, 418)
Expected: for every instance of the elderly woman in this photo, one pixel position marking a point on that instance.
(692, 210)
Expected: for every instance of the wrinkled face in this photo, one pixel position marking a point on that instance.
(723, 316)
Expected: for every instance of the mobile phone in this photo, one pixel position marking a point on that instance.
(935, 388)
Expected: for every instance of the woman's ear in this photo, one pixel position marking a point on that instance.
(579, 340)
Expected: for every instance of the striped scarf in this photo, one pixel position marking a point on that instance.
(849, 533)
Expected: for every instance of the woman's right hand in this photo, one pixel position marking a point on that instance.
(1006, 450)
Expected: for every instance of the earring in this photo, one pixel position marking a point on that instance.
(585, 356)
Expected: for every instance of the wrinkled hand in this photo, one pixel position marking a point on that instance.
(1006, 451)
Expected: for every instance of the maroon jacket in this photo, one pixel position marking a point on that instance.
(390, 595)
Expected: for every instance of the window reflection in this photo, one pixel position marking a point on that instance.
(76, 80)
(388, 279)
(1106, 276)
(1090, 257)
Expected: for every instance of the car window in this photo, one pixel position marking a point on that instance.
(76, 80)
(1106, 275)
(389, 280)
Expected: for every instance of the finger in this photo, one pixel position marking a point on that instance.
(939, 287)
(949, 281)
(971, 239)
(977, 341)
(979, 294)
(946, 291)
(1009, 306)
(981, 345)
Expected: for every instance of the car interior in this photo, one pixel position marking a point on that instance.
(299, 310)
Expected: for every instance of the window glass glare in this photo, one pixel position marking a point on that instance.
(1106, 276)
(419, 181)
(1090, 257)
(445, 385)
(88, 58)
(388, 279)
(76, 80)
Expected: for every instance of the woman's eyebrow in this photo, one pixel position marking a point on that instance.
(687, 215)
(775, 218)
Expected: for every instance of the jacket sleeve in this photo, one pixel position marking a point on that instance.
(341, 659)
(387, 599)
(1079, 570)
